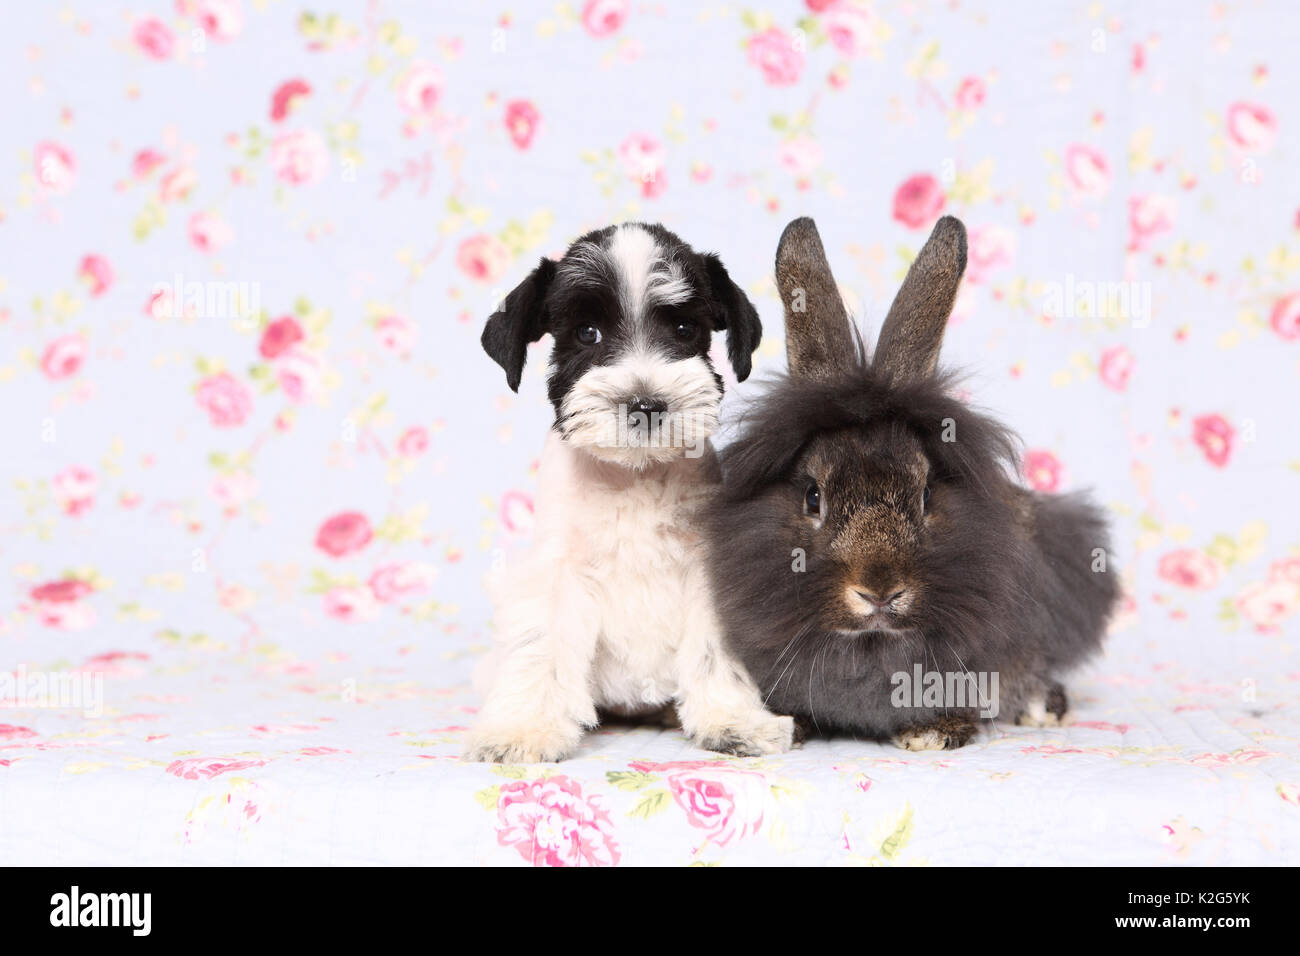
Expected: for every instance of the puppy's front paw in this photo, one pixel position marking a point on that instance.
(763, 734)
(531, 744)
(941, 735)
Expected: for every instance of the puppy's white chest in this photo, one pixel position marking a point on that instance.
(631, 537)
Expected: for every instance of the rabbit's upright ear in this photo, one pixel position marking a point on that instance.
(521, 319)
(913, 330)
(818, 339)
(733, 311)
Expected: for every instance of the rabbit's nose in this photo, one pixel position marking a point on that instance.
(873, 598)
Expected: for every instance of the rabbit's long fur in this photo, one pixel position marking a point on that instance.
(871, 522)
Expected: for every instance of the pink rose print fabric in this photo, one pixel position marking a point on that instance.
(257, 463)
(549, 823)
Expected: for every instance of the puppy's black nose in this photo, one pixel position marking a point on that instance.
(647, 406)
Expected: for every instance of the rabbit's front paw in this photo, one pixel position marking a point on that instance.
(762, 734)
(1047, 710)
(523, 744)
(944, 734)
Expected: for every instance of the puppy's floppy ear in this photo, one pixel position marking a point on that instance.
(818, 338)
(734, 312)
(913, 331)
(522, 319)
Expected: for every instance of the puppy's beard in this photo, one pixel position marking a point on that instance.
(594, 415)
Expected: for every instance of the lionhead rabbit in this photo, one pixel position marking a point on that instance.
(879, 570)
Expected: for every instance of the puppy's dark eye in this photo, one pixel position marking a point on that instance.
(925, 499)
(588, 334)
(685, 331)
(812, 500)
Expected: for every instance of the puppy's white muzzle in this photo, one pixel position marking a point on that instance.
(642, 410)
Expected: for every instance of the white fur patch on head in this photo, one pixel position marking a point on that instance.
(595, 412)
(645, 279)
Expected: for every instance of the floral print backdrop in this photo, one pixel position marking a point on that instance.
(249, 246)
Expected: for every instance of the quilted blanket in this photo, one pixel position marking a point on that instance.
(256, 463)
(209, 756)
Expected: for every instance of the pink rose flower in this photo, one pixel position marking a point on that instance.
(643, 158)
(299, 157)
(600, 18)
(1042, 470)
(1213, 435)
(989, 248)
(74, 489)
(234, 488)
(222, 20)
(63, 591)
(209, 232)
(1285, 319)
(1251, 126)
(801, 155)
(483, 258)
(280, 336)
(971, 93)
(56, 167)
(413, 442)
(393, 582)
(64, 615)
(419, 88)
(549, 823)
(64, 357)
(1116, 367)
(345, 533)
(517, 512)
(161, 304)
(286, 97)
(154, 38)
(96, 273)
(1087, 170)
(1267, 604)
(300, 375)
(774, 52)
(226, 400)
(350, 604)
(205, 768)
(521, 122)
(145, 162)
(1287, 569)
(726, 804)
(177, 183)
(918, 201)
(1189, 568)
(398, 334)
(850, 27)
(1148, 217)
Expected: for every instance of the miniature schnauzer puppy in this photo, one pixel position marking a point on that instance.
(612, 611)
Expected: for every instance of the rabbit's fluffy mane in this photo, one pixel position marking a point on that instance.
(776, 425)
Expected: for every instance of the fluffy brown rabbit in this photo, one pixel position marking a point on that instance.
(877, 563)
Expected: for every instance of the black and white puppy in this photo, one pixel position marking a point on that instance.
(612, 608)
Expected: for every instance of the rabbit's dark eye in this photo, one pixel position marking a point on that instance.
(812, 500)
(925, 499)
(588, 334)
